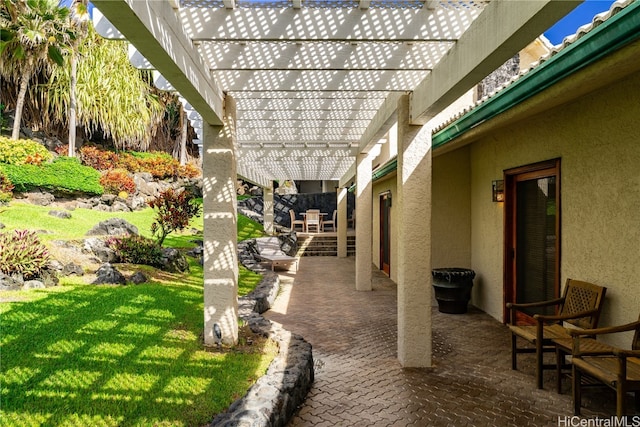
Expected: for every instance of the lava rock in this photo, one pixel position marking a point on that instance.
(113, 227)
(108, 274)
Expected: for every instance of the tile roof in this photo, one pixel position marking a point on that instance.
(582, 31)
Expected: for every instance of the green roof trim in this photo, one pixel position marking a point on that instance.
(381, 172)
(612, 34)
(385, 169)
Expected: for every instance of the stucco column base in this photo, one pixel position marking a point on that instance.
(414, 241)
(220, 230)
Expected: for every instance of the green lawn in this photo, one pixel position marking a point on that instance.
(26, 216)
(83, 355)
(23, 215)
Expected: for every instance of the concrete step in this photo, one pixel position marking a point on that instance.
(323, 245)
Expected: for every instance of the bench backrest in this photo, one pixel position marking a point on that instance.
(582, 296)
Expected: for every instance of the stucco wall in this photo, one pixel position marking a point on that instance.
(598, 141)
(381, 186)
(451, 215)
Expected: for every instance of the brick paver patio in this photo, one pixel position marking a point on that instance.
(359, 381)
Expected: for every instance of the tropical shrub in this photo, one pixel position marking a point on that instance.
(64, 174)
(35, 159)
(189, 171)
(21, 252)
(62, 150)
(173, 209)
(115, 181)
(129, 162)
(21, 151)
(136, 250)
(6, 187)
(98, 159)
(160, 165)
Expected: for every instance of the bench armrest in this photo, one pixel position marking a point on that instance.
(556, 318)
(604, 349)
(607, 330)
(626, 353)
(520, 306)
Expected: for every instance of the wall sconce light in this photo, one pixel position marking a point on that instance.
(498, 190)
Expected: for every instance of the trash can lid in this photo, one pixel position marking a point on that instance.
(453, 272)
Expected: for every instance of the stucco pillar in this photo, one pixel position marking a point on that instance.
(364, 206)
(341, 194)
(267, 200)
(220, 229)
(414, 240)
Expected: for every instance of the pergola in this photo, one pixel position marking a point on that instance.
(304, 89)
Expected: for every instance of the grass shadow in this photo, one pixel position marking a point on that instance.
(105, 355)
(119, 355)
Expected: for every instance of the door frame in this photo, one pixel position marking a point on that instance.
(385, 213)
(511, 177)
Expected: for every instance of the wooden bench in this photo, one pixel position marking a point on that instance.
(579, 306)
(269, 250)
(601, 363)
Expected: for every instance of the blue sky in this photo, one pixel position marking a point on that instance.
(581, 15)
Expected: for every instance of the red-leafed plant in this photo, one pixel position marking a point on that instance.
(98, 159)
(136, 250)
(115, 181)
(189, 171)
(161, 166)
(62, 150)
(129, 162)
(34, 159)
(6, 188)
(174, 210)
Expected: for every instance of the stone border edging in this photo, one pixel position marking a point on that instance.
(275, 397)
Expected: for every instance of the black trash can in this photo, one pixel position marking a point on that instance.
(453, 288)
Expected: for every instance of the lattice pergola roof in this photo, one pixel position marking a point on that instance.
(310, 78)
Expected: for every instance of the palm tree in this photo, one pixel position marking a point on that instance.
(112, 96)
(80, 20)
(182, 156)
(34, 34)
